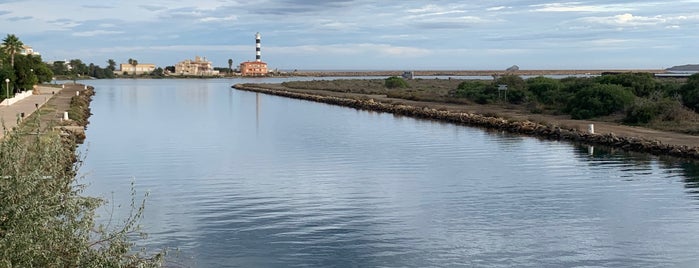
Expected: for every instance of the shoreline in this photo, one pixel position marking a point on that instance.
(645, 143)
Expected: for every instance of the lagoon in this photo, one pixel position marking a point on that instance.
(239, 179)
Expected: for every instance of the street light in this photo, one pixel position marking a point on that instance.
(7, 86)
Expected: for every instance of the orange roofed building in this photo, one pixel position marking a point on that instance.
(253, 68)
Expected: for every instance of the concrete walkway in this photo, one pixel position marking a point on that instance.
(9, 115)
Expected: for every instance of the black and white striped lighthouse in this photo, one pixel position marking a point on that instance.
(257, 47)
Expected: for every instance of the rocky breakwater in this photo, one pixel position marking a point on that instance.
(526, 127)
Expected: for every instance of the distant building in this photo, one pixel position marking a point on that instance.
(27, 50)
(513, 68)
(141, 68)
(253, 68)
(198, 66)
(257, 67)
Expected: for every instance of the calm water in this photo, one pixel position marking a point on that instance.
(238, 179)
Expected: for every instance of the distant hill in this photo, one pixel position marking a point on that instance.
(684, 68)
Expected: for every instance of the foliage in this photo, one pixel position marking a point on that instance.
(481, 92)
(158, 72)
(599, 100)
(513, 82)
(546, 90)
(60, 68)
(395, 82)
(642, 84)
(690, 93)
(45, 222)
(11, 45)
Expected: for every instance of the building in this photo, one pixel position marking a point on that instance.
(27, 50)
(253, 68)
(257, 67)
(199, 66)
(141, 68)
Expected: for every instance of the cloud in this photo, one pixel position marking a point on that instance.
(215, 19)
(4, 12)
(152, 7)
(627, 19)
(97, 6)
(355, 49)
(497, 8)
(95, 33)
(578, 7)
(20, 18)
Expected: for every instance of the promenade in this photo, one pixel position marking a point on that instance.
(10, 115)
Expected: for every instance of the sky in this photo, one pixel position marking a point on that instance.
(362, 34)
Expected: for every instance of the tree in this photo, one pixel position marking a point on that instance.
(134, 63)
(59, 68)
(230, 65)
(12, 46)
(111, 65)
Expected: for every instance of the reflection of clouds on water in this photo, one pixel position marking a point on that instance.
(284, 182)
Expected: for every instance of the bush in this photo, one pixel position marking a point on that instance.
(395, 82)
(481, 92)
(641, 112)
(599, 100)
(545, 90)
(45, 222)
(690, 93)
(642, 84)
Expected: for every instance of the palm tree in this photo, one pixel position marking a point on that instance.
(11, 46)
(133, 63)
(230, 65)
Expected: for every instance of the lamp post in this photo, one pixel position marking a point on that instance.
(7, 86)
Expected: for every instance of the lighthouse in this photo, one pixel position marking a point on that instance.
(257, 67)
(257, 47)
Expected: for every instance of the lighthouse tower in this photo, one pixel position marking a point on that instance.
(257, 47)
(257, 67)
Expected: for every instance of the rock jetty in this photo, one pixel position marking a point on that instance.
(525, 127)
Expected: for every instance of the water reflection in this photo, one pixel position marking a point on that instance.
(283, 182)
(639, 164)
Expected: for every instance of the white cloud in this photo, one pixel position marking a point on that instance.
(579, 7)
(95, 33)
(218, 19)
(627, 20)
(496, 8)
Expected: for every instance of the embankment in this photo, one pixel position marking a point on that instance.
(525, 127)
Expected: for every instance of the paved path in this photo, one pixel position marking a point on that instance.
(10, 114)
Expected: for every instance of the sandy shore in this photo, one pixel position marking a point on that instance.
(545, 126)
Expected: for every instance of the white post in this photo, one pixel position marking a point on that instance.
(65, 115)
(77, 93)
(591, 128)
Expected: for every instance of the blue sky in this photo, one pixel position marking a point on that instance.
(359, 34)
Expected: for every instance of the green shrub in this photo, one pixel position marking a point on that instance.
(45, 222)
(642, 112)
(599, 100)
(690, 93)
(642, 84)
(395, 82)
(481, 92)
(545, 90)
